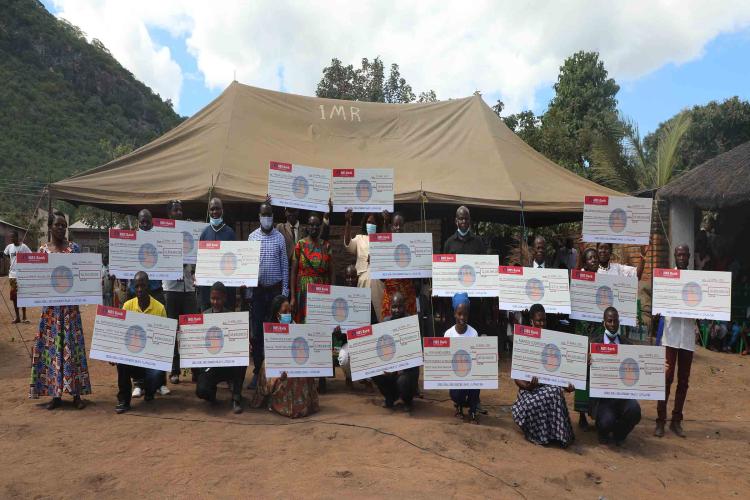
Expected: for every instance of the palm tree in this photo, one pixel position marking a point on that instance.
(619, 159)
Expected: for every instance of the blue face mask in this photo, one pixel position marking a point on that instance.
(216, 222)
(371, 228)
(266, 222)
(462, 233)
(285, 318)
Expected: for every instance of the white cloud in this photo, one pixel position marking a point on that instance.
(505, 48)
(123, 29)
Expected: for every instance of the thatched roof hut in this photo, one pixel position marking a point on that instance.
(721, 182)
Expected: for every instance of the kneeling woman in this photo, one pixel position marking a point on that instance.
(290, 397)
(540, 410)
(463, 398)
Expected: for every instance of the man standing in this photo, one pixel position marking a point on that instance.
(273, 280)
(179, 295)
(290, 230)
(615, 417)
(146, 223)
(604, 252)
(539, 253)
(679, 342)
(217, 230)
(12, 251)
(464, 241)
(567, 256)
(145, 304)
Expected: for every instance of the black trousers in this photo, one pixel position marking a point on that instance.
(617, 416)
(150, 379)
(179, 303)
(465, 398)
(394, 386)
(208, 379)
(260, 311)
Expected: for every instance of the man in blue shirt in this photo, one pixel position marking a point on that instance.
(273, 280)
(217, 230)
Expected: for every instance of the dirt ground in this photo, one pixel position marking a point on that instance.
(178, 446)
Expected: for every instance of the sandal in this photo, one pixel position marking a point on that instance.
(474, 418)
(79, 403)
(55, 403)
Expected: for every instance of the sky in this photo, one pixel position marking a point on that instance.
(666, 55)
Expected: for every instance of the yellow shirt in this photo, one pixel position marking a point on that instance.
(154, 307)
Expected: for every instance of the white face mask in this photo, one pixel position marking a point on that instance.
(371, 228)
(266, 222)
(462, 233)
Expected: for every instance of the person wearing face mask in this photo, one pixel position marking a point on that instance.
(273, 280)
(359, 245)
(217, 230)
(290, 397)
(465, 241)
(614, 417)
(312, 263)
(209, 378)
(540, 410)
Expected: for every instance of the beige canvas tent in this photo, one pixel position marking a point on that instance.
(453, 152)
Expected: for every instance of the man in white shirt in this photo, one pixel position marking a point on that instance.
(679, 342)
(539, 253)
(614, 418)
(604, 252)
(12, 251)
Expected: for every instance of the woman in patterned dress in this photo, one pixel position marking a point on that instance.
(403, 286)
(590, 329)
(311, 263)
(540, 410)
(59, 355)
(290, 397)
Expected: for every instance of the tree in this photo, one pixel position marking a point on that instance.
(620, 160)
(584, 104)
(367, 83)
(714, 129)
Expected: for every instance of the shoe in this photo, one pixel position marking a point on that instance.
(55, 403)
(148, 397)
(236, 407)
(137, 392)
(164, 390)
(480, 409)
(122, 408)
(174, 379)
(253, 383)
(79, 403)
(659, 431)
(676, 427)
(387, 404)
(474, 418)
(459, 412)
(407, 408)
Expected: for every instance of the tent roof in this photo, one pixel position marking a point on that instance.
(720, 182)
(456, 152)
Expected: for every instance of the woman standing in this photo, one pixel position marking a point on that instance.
(590, 330)
(58, 362)
(540, 410)
(359, 245)
(403, 286)
(290, 397)
(311, 263)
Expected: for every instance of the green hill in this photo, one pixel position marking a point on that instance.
(65, 104)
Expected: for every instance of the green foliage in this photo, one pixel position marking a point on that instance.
(61, 97)
(367, 83)
(714, 129)
(620, 161)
